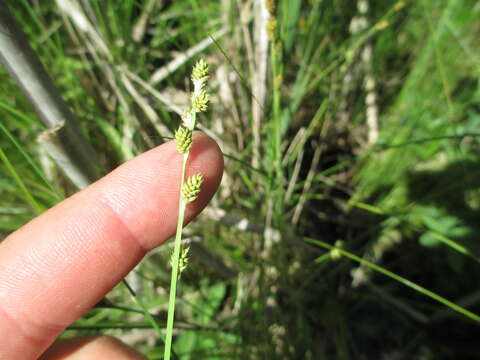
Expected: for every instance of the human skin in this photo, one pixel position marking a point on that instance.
(63, 262)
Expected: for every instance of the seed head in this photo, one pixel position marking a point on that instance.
(183, 139)
(200, 101)
(183, 261)
(191, 188)
(200, 70)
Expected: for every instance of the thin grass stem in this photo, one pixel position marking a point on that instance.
(144, 308)
(26, 193)
(175, 265)
(32, 163)
(400, 279)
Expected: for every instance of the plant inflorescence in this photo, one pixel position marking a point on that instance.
(189, 189)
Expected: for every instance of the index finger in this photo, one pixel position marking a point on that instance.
(60, 264)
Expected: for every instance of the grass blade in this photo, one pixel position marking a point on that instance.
(26, 193)
(400, 279)
(32, 163)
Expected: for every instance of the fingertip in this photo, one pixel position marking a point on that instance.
(91, 347)
(144, 192)
(64, 261)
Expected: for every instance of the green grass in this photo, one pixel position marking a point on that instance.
(406, 206)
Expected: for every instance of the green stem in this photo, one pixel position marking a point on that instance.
(400, 279)
(175, 263)
(32, 163)
(26, 193)
(142, 305)
(151, 320)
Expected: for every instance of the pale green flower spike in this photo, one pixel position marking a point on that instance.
(200, 70)
(183, 262)
(191, 188)
(200, 101)
(183, 139)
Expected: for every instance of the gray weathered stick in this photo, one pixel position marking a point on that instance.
(55, 142)
(26, 69)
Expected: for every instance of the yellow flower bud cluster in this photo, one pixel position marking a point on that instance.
(200, 71)
(183, 139)
(191, 188)
(183, 135)
(199, 78)
(182, 261)
(200, 101)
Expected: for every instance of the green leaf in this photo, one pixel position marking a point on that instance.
(428, 240)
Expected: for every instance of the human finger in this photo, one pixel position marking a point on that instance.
(60, 264)
(92, 347)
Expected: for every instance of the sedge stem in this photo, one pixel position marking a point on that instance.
(175, 266)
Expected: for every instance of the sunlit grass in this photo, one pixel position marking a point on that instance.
(406, 202)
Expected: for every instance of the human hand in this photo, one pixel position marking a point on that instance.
(63, 262)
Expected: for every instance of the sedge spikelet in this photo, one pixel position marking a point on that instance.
(183, 139)
(191, 188)
(200, 101)
(200, 70)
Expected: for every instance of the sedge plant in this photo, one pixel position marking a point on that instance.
(189, 188)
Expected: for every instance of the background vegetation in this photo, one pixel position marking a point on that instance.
(344, 123)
